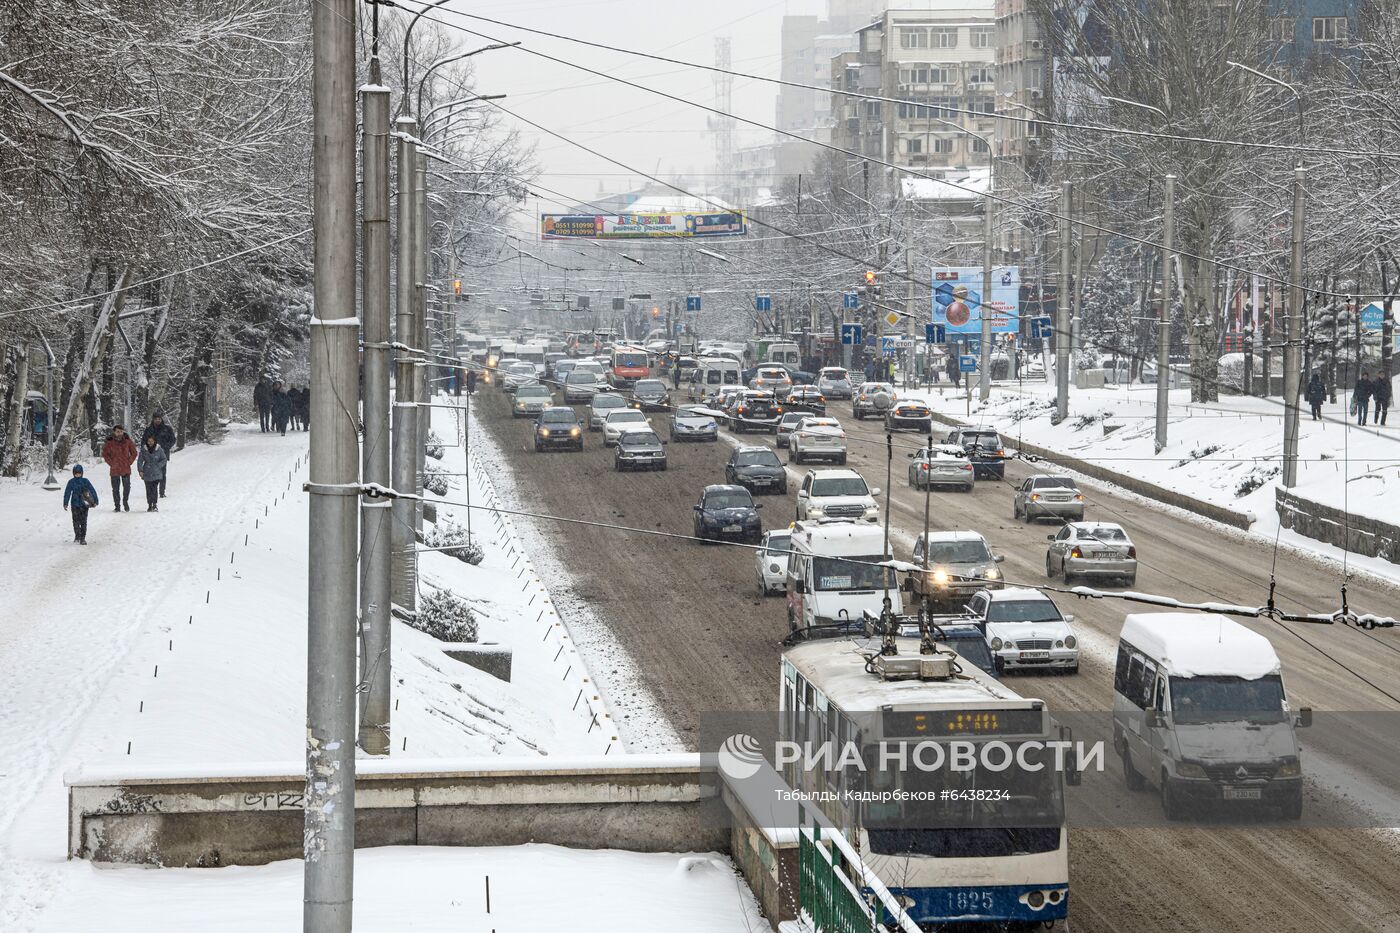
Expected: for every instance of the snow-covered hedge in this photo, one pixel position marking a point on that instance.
(435, 479)
(445, 616)
(452, 537)
(434, 446)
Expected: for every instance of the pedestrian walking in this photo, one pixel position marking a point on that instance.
(281, 408)
(119, 453)
(954, 371)
(78, 497)
(301, 408)
(457, 382)
(1316, 393)
(151, 465)
(1380, 394)
(262, 400)
(471, 382)
(1361, 397)
(164, 436)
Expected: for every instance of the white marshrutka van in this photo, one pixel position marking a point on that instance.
(1199, 711)
(823, 588)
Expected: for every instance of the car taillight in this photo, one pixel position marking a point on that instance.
(1132, 552)
(1075, 552)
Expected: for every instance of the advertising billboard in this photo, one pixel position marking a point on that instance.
(958, 305)
(641, 226)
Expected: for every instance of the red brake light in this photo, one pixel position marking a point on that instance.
(1075, 552)
(1132, 552)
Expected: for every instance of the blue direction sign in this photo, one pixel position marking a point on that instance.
(850, 300)
(851, 334)
(935, 333)
(692, 303)
(1040, 327)
(967, 363)
(762, 303)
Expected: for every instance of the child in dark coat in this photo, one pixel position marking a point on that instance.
(79, 496)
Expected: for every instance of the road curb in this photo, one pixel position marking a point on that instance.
(1218, 513)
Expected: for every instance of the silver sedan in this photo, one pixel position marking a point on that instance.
(1046, 496)
(1091, 549)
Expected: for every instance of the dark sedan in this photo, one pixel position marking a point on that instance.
(558, 427)
(757, 469)
(805, 398)
(639, 450)
(650, 395)
(728, 512)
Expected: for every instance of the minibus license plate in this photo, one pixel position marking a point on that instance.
(1242, 793)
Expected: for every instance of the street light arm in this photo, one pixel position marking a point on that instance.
(1270, 78)
(408, 46)
(1132, 103)
(455, 58)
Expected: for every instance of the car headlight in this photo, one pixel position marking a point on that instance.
(573, 432)
(1059, 643)
(1290, 769)
(544, 432)
(1189, 769)
(815, 510)
(1071, 641)
(940, 577)
(996, 644)
(871, 511)
(993, 574)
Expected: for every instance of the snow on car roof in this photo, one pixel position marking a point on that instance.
(837, 667)
(1016, 592)
(1195, 644)
(938, 536)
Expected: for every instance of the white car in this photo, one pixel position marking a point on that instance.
(772, 562)
(517, 374)
(837, 495)
(1025, 630)
(817, 438)
(602, 405)
(1091, 549)
(620, 422)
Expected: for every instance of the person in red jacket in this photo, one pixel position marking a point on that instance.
(119, 450)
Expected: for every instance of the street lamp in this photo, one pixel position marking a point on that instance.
(50, 481)
(408, 47)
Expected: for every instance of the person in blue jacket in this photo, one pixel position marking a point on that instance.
(79, 496)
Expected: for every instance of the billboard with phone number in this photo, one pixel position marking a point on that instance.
(641, 226)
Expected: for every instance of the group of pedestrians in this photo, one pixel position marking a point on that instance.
(1369, 391)
(282, 406)
(121, 454)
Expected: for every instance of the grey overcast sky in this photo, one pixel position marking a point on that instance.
(635, 127)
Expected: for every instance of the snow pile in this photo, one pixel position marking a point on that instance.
(452, 539)
(445, 616)
(533, 887)
(434, 446)
(435, 479)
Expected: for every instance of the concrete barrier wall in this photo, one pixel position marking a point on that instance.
(1219, 513)
(666, 805)
(1356, 533)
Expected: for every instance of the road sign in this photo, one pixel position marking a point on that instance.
(850, 300)
(892, 318)
(1372, 316)
(935, 333)
(762, 303)
(967, 363)
(692, 303)
(893, 346)
(1040, 327)
(851, 334)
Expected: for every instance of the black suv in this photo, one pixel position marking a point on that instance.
(984, 449)
(757, 469)
(728, 512)
(755, 411)
(558, 426)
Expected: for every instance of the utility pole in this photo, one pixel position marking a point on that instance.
(376, 618)
(909, 305)
(984, 385)
(405, 427)
(1164, 322)
(1062, 310)
(328, 846)
(422, 272)
(1293, 347)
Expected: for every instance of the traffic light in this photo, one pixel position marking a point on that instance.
(656, 312)
(869, 277)
(456, 286)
